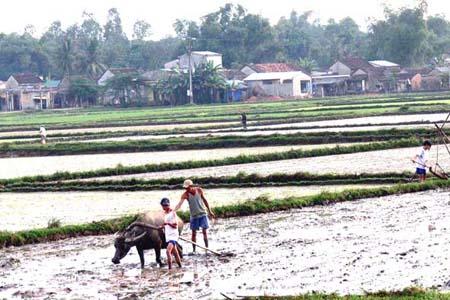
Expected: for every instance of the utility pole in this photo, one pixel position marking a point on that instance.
(190, 91)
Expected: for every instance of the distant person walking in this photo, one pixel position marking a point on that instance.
(43, 134)
(244, 120)
(199, 209)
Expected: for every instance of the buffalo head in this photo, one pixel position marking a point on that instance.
(123, 242)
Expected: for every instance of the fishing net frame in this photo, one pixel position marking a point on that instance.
(437, 170)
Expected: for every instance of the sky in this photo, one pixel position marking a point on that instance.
(162, 14)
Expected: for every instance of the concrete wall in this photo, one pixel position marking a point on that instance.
(197, 59)
(30, 100)
(278, 89)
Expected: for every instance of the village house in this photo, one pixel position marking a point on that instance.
(108, 96)
(277, 80)
(367, 76)
(329, 84)
(149, 80)
(26, 91)
(197, 58)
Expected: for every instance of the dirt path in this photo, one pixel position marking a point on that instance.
(83, 207)
(369, 245)
(393, 160)
(46, 165)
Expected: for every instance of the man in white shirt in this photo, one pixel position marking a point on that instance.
(421, 160)
(43, 134)
(171, 232)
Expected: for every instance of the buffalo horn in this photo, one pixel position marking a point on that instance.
(135, 239)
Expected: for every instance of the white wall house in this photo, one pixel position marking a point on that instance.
(280, 84)
(197, 58)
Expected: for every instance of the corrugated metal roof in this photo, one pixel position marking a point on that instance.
(52, 83)
(383, 63)
(277, 75)
(207, 53)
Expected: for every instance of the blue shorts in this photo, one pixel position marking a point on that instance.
(172, 242)
(196, 223)
(420, 171)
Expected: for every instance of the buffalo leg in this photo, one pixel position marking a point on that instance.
(141, 256)
(158, 256)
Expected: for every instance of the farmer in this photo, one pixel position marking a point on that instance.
(171, 232)
(199, 210)
(43, 134)
(421, 160)
(244, 120)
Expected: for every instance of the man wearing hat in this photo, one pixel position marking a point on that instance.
(199, 210)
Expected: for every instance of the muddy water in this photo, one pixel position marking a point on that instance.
(82, 207)
(369, 245)
(393, 160)
(30, 166)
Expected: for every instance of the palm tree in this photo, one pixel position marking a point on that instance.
(65, 56)
(307, 64)
(93, 68)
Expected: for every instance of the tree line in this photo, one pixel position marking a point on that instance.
(407, 36)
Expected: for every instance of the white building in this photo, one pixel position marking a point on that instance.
(197, 58)
(280, 84)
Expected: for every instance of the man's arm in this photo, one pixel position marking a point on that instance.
(206, 203)
(177, 207)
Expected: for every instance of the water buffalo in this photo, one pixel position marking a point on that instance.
(143, 237)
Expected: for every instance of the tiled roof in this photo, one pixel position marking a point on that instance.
(274, 67)
(27, 78)
(355, 63)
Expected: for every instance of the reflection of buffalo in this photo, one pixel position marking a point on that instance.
(143, 238)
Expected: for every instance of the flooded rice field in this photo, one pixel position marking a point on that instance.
(253, 133)
(392, 160)
(46, 165)
(386, 243)
(379, 120)
(83, 207)
(117, 128)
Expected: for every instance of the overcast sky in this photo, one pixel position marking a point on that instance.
(17, 14)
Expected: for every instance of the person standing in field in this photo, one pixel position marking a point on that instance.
(43, 134)
(171, 232)
(421, 160)
(199, 210)
(244, 120)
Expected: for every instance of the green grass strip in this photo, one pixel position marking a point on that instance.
(412, 293)
(247, 208)
(238, 181)
(241, 159)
